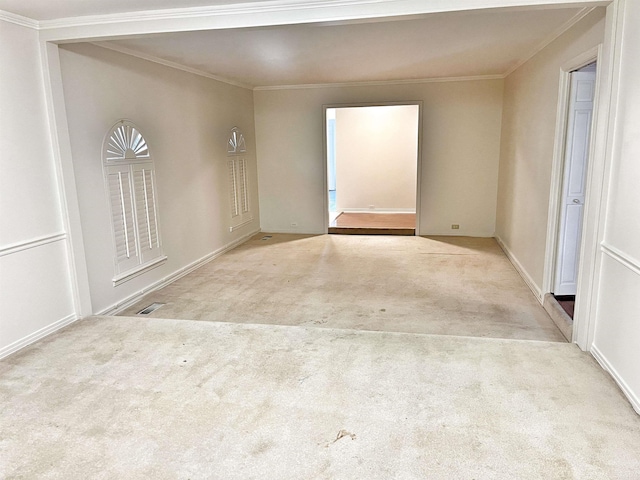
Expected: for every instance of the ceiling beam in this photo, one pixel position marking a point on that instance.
(277, 12)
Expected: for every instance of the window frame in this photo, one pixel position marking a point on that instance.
(237, 166)
(126, 152)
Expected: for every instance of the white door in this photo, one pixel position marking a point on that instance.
(579, 117)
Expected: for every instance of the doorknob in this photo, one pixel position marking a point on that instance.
(575, 200)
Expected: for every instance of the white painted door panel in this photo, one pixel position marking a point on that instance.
(579, 121)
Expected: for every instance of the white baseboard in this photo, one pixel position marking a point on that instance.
(378, 210)
(37, 335)
(537, 291)
(163, 282)
(292, 231)
(604, 363)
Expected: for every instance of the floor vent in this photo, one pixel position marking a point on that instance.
(267, 237)
(150, 309)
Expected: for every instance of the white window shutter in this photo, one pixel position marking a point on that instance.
(243, 186)
(123, 219)
(238, 180)
(233, 188)
(146, 211)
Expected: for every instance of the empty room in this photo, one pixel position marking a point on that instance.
(343, 239)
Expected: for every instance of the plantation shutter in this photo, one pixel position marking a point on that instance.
(243, 190)
(238, 180)
(233, 188)
(122, 215)
(146, 211)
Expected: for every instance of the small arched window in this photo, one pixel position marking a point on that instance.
(238, 180)
(130, 182)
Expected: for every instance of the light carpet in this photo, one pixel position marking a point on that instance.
(440, 285)
(111, 398)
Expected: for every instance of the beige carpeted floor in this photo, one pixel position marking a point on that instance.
(439, 285)
(135, 398)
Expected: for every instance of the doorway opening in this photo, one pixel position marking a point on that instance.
(572, 192)
(372, 154)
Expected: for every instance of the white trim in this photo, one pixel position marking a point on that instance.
(551, 38)
(599, 178)
(379, 210)
(236, 227)
(19, 20)
(130, 300)
(33, 243)
(374, 83)
(139, 270)
(65, 177)
(557, 174)
(37, 335)
(170, 64)
(287, 12)
(325, 159)
(626, 390)
(535, 289)
(557, 168)
(621, 257)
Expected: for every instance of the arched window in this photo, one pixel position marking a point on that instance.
(130, 182)
(238, 180)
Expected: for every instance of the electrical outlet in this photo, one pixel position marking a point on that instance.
(372, 207)
(455, 226)
(294, 224)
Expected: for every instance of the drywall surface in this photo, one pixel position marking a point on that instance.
(617, 332)
(528, 131)
(460, 153)
(186, 120)
(376, 158)
(35, 288)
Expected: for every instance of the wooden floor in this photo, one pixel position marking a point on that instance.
(374, 224)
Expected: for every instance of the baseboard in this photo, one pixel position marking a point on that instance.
(163, 282)
(290, 231)
(604, 363)
(378, 210)
(537, 291)
(458, 233)
(38, 335)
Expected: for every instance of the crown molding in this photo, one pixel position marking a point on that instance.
(379, 83)
(551, 38)
(170, 64)
(19, 20)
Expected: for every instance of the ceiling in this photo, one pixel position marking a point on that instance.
(442, 45)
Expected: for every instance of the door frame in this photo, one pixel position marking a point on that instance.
(582, 330)
(325, 163)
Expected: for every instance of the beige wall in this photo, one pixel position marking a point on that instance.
(617, 333)
(376, 158)
(460, 153)
(186, 120)
(35, 282)
(528, 131)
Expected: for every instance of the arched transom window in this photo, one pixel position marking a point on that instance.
(131, 187)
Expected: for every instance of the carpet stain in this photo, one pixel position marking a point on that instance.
(342, 434)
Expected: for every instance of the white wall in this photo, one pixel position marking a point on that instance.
(528, 131)
(186, 120)
(461, 142)
(35, 288)
(376, 158)
(617, 332)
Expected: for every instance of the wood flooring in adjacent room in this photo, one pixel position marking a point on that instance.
(348, 223)
(436, 285)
